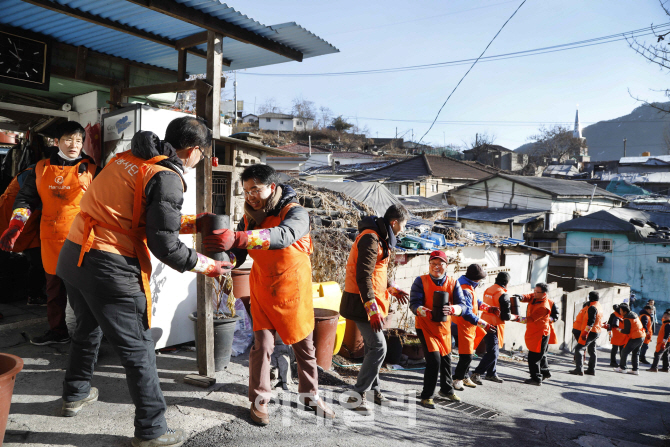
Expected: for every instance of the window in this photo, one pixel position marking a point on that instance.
(604, 245)
(267, 120)
(663, 259)
(433, 187)
(299, 123)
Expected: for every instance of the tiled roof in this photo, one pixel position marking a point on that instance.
(490, 147)
(423, 166)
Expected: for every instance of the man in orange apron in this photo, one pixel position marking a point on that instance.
(617, 339)
(538, 320)
(468, 324)
(591, 318)
(662, 346)
(635, 331)
(366, 297)
(133, 207)
(275, 233)
(56, 185)
(28, 242)
(435, 336)
(648, 323)
(497, 299)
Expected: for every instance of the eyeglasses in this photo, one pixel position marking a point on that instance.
(255, 192)
(73, 141)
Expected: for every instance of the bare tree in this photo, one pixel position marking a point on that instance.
(270, 105)
(666, 138)
(303, 109)
(480, 139)
(557, 142)
(325, 116)
(657, 53)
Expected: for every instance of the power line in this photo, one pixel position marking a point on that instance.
(469, 69)
(525, 53)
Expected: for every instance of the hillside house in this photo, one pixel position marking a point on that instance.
(497, 156)
(284, 123)
(426, 175)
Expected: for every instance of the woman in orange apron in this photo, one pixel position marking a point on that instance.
(435, 336)
(468, 325)
(56, 185)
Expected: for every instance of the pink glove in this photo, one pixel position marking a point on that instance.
(397, 292)
(423, 311)
(486, 326)
(375, 317)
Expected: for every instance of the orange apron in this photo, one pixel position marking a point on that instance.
(281, 286)
(662, 334)
(537, 322)
(30, 236)
(379, 276)
(597, 326)
(437, 334)
(61, 189)
(649, 333)
(136, 234)
(468, 332)
(636, 328)
(618, 339)
(492, 298)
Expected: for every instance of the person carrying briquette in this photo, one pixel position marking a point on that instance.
(634, 330)
(647, 322)
(28, 242)
(468, 323)
(56, 185)
(132, 208)
(662, 344)
(274, 232)
(499, 311)
(435, 336)
(366, 297)
(540, 314)
(591, 318)
(617, 339)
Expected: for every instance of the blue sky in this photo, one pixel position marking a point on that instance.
(509, 98)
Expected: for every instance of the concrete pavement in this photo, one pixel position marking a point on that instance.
(610, 409)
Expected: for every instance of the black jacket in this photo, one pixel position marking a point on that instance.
(294, 226)
(351, 306)
(28, 197)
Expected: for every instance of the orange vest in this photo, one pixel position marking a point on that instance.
(437, 334)
(597, 326)
(468, 333)
(662, 334)
(636, 328)
(30, 236)
(649, 333)
(113, 213)
(537, 323)
(281, 286)
(61, 189)
(618, 339)
(379, 278)
(492, 298)
(577, 324)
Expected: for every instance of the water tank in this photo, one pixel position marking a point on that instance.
(646, 154)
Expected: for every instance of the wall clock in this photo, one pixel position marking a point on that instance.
(24, 60)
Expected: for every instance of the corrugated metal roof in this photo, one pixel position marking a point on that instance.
(500, 214)
(634, 160)
(73, 31)
(631, 177)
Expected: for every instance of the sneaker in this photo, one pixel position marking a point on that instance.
(428, 403)
(653, 370)
(533, 382)
(358, 403)
(634, 372)
(620, 370)
(171, 438)
(590, 372)
(37, 301)
(614, 365)
(644, 361)
(451, 396)
(546, 376)
(576, 372)
(469, 383)
(494, 379)
(458, 385)
(70, 409)
(379, 398)
(50, 338)
(476, 378)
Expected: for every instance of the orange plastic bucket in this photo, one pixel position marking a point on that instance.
(10, 365)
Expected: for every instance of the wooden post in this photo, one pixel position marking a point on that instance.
(208, 107)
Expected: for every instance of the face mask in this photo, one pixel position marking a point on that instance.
(187, 170)
(65, 157)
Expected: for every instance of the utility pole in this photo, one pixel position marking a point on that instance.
(396, 133)
(235, 99)
(624, 147)
(476, 140)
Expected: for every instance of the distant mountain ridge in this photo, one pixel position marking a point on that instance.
(643, 129)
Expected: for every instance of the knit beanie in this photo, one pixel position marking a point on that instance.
(475, 272)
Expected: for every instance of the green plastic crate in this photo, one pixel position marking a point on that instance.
(408, 243)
